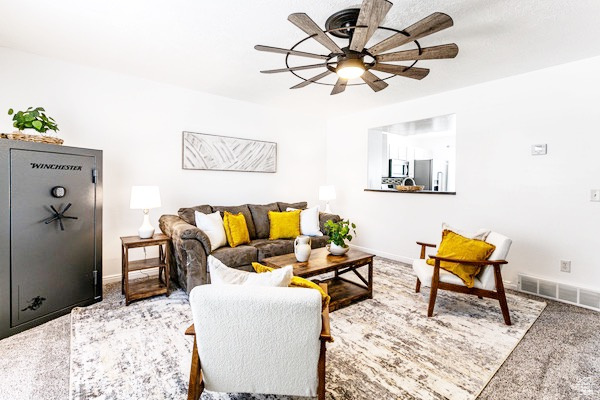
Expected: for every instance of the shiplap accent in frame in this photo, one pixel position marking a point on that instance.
(224, 153)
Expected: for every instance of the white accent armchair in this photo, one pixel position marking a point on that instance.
(267, 340)
(488, 283)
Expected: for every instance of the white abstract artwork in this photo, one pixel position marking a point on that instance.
(223, 153)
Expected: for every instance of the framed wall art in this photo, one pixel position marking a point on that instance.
(225, 153)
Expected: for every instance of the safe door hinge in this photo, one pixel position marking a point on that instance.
(94, 175)
(95, 278)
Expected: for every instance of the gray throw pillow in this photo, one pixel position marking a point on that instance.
(260, 216)
(298, 206)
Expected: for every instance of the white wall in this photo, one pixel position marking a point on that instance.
(138, 125)
(541, 202)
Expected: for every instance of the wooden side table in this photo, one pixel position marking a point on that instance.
(141, 289)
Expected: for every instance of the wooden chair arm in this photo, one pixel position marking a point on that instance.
(470, 262)
(423, 246)
(190, 331)
(325, 327)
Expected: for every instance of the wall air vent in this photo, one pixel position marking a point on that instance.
(557, 291)
(567, 293)
(527, 284)
(547, 289)
(590, 299)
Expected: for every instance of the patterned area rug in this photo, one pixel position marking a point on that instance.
(385, 348)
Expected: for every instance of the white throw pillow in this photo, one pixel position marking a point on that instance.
(221, 274)
(309, 221)
(280, 277)
(481, 234)
(212, 225)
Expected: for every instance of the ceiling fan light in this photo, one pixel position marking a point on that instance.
(350, 72)
(350, 69)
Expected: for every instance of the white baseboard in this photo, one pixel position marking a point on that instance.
(391, 256)
(132, 275)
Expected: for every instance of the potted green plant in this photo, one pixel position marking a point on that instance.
(36, 119)
(338, 233)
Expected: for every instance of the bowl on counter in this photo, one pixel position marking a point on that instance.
(410, 188)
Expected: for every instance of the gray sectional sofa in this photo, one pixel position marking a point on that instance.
(191, 246)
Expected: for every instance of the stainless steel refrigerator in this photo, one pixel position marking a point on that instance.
(424, 173)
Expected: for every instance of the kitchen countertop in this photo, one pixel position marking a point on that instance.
(418, 192)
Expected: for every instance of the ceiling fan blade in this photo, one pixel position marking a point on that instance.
(301, 67)
(372, 12)
(287, 51)
(428, 25)
(373, 81)
(311, 80)
(340, 86)
(427, 53)
(414, 72)
(309, 26)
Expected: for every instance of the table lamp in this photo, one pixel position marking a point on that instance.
(327, 193)
(145, 198)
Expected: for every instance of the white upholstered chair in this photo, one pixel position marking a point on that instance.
(267, 340)
(488, 283)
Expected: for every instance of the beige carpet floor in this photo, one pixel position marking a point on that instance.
(559, 358)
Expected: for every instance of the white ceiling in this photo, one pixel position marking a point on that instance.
(208, 45)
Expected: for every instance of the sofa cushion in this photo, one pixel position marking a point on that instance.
(269, 248)
(187, 213)
(236, 257)
(324, 217)
(317, 242)
(298, 206)
(239, 209)
(260, 217)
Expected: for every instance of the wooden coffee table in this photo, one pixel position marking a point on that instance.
(343, 291)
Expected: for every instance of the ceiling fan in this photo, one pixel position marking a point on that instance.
(358, 25)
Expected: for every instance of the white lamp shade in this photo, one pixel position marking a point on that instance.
(144, 197)
(327, 192)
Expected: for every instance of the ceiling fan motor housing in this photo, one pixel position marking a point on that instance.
(342, 19)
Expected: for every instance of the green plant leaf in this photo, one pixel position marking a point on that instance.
(37, 125)
(10, 111)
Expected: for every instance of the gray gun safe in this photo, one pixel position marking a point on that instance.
(50, 232)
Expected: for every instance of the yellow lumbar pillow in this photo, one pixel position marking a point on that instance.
(297, 282)
(461, 248)
(236, 229)
(284, 225)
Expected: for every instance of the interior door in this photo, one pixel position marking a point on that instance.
(52, 266)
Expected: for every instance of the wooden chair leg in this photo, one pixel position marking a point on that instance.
(321, 372)
(434, 287)
(418, 288)
(501, 295)
(196, 385)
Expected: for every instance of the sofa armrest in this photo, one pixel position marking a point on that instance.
(175, 227)
(324, 217)
(190, 248)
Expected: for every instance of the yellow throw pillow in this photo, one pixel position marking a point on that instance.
(236, 229)
(461, 248)
(297, 282)
(284, 225)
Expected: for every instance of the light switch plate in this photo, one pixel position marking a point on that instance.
(539, 149)
(595, 195)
